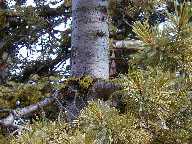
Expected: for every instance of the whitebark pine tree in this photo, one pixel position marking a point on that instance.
(90, 37)
(89, 55)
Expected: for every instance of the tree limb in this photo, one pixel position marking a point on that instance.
(132, 44)
(42, 67)
(9, 120)
(100, 89)
(46, 11)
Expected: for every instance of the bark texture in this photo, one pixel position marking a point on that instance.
(90, 39)
(3, 65)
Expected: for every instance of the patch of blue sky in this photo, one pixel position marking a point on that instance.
(34, 52)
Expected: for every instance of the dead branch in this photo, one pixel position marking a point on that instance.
(99, 88)
(131, 44)
(9, 120)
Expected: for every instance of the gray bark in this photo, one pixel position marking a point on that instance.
(130, 44)
(9, 120)
(90, 39)
(3, 64)
(3, 74)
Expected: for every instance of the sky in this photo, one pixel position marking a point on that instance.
(25, 53)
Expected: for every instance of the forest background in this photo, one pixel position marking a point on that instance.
(139, 93)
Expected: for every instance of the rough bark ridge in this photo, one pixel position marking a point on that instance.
(90, 39)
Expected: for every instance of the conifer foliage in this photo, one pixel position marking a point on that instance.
(152, 104)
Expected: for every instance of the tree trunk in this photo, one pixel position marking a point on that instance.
(90, 48)
(3, 66)
(3, 73)
(3, 54)
(90, 39)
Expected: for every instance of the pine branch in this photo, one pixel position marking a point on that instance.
(100, 88)
(9, 120)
